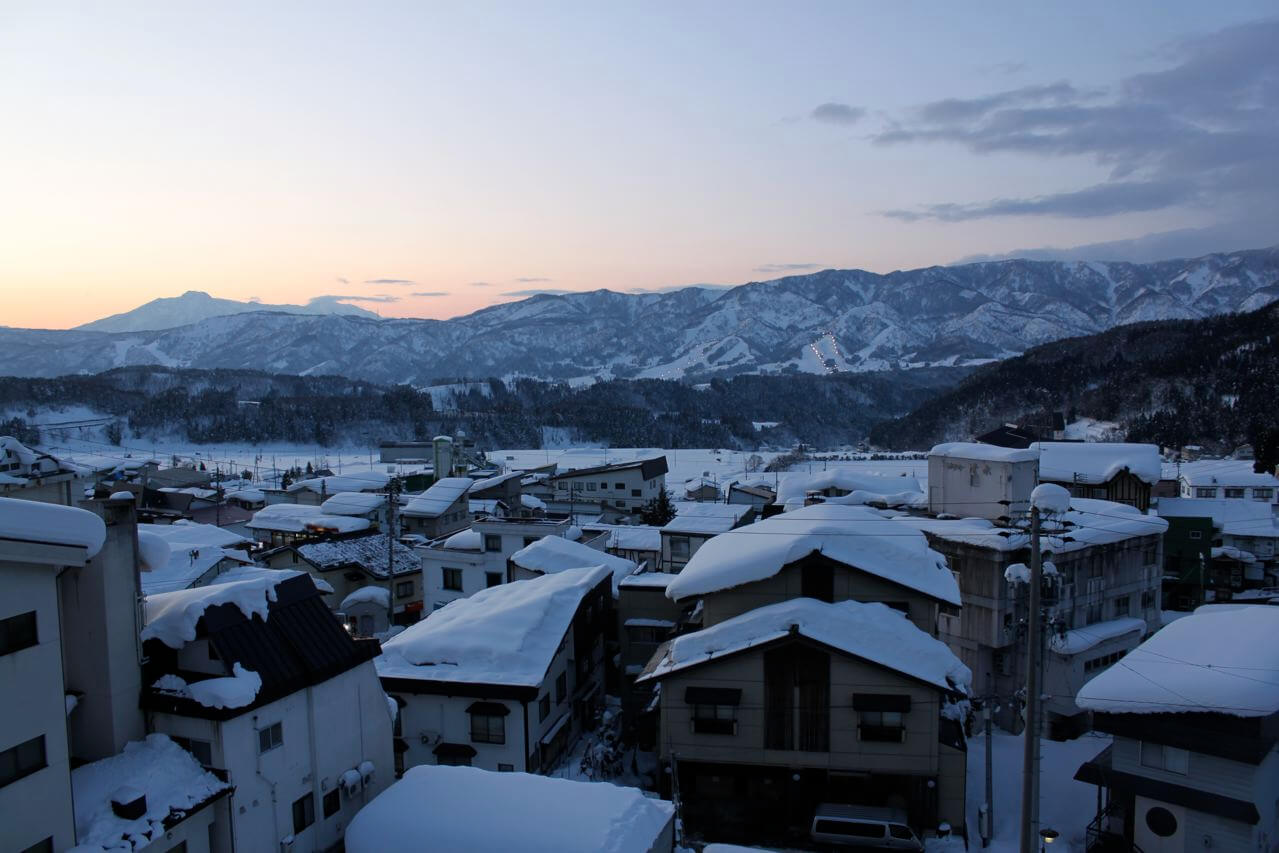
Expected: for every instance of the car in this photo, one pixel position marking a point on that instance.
(863, 828)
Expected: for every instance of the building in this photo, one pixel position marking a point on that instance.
(970, 480)
(1203, 529)
(639, 543)
(701, 489)
(316, 490)
(646, 618)
(847, 485)
(1227, 481)
(774, 711)
(504, 680)
(693, 525)
(258, 680)
(622, 486)
(281, 524)
(757, 496)
(552, 554)
(1194, 714)
(502, 487)
(440, 510)
(474, 810)
(193, 554)
(1109, 471)
(34, 475)
(344, 565)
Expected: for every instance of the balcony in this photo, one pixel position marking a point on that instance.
(1105, 834)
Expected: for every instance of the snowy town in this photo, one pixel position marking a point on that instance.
(459, 646)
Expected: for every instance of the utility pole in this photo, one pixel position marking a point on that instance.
(392, 503)
(988, 831)
(1030, 756)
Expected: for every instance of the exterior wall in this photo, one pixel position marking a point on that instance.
(787, 584)
(737, 496)
(193, 831)
(1251, 493)
(975, 487)
(636, 647)
(427, 720)
(635, 491)
(34, 676)
(406, 607)
(54, 489)
(456, 517)
(1065, 675)
(695, 541)
(1210, 773)
(474, 565)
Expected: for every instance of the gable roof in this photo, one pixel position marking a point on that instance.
(853, 535)
(436, 500)
(649, 468)
(300, 518)
(706, 518)
(871, 632)
(552, 554)
(1096, 462)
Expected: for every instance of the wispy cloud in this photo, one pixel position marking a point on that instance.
(536, 292)
(776, 268)
(255, 299)
(341, 280)
(396, 281)
(533, 280)
(481, 284)
(1203, 133)
(671, 288)
(833, 112)
(429, 293)
(333, 297)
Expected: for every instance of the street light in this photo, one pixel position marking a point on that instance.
(1047, 836)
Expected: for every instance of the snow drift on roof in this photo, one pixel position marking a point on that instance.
(378, 595)
(983, 452)
(153, 552)
(873, 632)
(538, 814)
(437, 499)
(465, 540)
(506, 634)
(1223, 661)
(490, 482)
(52, 523)
(299, 518)
(552, 554)
(711, 518)
(1233, 516)
(853, 535)
(796, 486)
(352, 503)
(368, 552)
(362, 481)
(1226, 472)
(171, 617)
(1079, 640)
(630, 537)
(1096, 462)
(166, 774)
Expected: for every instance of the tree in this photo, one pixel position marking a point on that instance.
(658, 511)
(115, 434)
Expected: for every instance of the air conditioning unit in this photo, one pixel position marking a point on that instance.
(366, 772)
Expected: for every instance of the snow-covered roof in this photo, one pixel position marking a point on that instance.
(299, 518)
(983, 452)
(1235, 517)
(237, 690)
(368, 552)
(352, 503)
(361, 481)
(193, 549)
(1221, 661)
(249, 495)
(437, 499)
(1231, 553)
(795, 486)
(506, 634)
(530, 502)
(1089, 522)
(537, 814)
(170, 778)
(1226, 472)
(1096, 462)
(853, 535)
(552, 554)
(873, 632)
(465, 540)
(490, 482)
(484, 507)
(630, 537)
(378, 595)
(36, 521)
(1079, 640)
(171, 617)
(647, 580)
(705, 518)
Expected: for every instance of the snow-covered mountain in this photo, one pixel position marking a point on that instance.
(169, 312)
(832, 321)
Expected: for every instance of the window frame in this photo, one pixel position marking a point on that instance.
(448, 577)
(19, 631)
(489, 581)
(28, 757)
(404, 589)
(306, 803)
(336, 797)
(486, 733)
(490, 539)
(274, 737)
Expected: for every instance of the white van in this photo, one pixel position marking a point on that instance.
(863, 827)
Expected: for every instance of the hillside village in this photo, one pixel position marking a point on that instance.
(326, 660)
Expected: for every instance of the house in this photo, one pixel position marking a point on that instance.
(847, 485)
(1106, 569)
(1110, 471)
(503, 487)
(471, 809)
(366, 610)
(506, 679)
(316, 490)
(283, 524)
(646, 618)
(440, 510)
(693, 525)
(260, 682)
(769, 713)
(552, 554)
(344, 565)
(470, 560)
(970, 480)
(825, 552)
(639, 543)
(192, 554)
(622, 486)
(757, 496)
(1227, 480)
(701, 489)
(34, 475)
(1194, 714)
(370, 506)
(1198, 527)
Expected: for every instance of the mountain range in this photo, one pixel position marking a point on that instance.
(827, 322)
(169, 312)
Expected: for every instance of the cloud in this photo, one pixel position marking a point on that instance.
(832, 112)
(533, 280)
(429, 293)
(341, 280)
(397, 281)
(1201, 134)
(536, 292)
(332, 297)
(671, 288)
(1159, 246)
(776, 268)
(481, 284)
(255, 299)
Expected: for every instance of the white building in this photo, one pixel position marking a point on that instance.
(1227, 480)
(505, 679)
(286, 523)
(639, 543)
(693, 525)
(970, 480)
(623, 486)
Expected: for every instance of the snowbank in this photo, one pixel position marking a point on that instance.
(506, 634)
(537, 814)
(465, 540)
(52, 523)
(1096, 462)
(1221, 661)
(552, 554)
(855, 536)
(153, 552)
(873, 632)
(171, 617)
(378, 595)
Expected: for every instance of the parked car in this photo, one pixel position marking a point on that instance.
(863, 828)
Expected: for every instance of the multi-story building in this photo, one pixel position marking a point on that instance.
(33, 475)
(344, 565)
(1102, 470)
(440, 510)
(971, 480)
(1228, 481)
(639, 543)
(622, 486)
(695, 524)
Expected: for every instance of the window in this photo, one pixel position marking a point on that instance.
(561, 688)
(646, 634)
(303, 812)
(621, 487)
(529, 540)
(403, 589)
(1148, 600)
(590, 487)
(881, 717)
(202, 750)
(1233, 493)
(797, 698)
(492, 542)
(714, 709)
(332, 803)
(1161, 757)
(487, 726)
(506, 768)
(603, 487)
(1122, 606)
(1205, 493)
(817, 581)
(620, 504)
(270, 737)
(679, 547)
(1196, 534)
(543, 708)
(1093, 615)
(22, 760)
(453, 579)
(561, 486)
(18, 632)
(635, 493)
(1263, 494)
(492, 579)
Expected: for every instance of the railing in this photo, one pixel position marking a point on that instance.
(1105, 834)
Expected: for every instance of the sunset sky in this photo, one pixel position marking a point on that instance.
(436, 158)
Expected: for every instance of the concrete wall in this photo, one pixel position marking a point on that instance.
(605, 488)
(976, 487)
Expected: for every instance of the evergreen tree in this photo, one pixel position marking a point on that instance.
(658, 511)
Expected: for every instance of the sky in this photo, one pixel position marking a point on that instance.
(429, 159)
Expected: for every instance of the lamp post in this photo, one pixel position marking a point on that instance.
(1047, 837)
